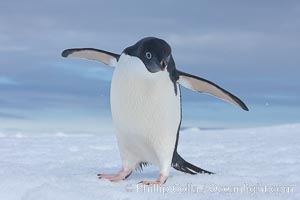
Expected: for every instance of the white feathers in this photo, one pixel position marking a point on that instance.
(105, 57)
(146, 113)
(202, 85)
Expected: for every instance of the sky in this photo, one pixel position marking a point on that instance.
(250, 48)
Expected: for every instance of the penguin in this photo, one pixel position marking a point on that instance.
(146, 108)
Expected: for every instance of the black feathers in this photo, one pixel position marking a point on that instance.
(160, 51)
(174, 76)
(140, 165)
(180, 164)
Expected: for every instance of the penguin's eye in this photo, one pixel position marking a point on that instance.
(148, 55)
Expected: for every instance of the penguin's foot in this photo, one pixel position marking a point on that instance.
(122, 175)
(161, 180)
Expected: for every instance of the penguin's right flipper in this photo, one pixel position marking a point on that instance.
(180, 164)
(105, 57)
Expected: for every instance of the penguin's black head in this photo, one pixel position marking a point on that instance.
(155, 53)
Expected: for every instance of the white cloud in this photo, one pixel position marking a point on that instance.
(11, 49)
(7, 81)
(233, 40)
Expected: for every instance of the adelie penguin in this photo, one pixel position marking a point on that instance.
(146, 105)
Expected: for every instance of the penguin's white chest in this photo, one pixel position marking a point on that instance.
(145, 110)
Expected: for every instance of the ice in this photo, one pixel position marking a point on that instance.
(254, 163)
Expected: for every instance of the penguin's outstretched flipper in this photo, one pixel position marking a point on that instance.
(105, 57)
(180, 164)
(202, 85)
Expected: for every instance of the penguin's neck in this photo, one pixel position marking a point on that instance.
(133, 68)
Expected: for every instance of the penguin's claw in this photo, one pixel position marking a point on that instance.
(106, 176)
(122, 175)
(151, 183)
(162, 180)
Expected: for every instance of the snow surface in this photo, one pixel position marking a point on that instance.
(255, 163)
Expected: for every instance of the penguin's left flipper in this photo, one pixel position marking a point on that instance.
(202, 85)
(105, 57)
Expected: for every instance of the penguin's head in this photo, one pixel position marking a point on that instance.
(155, 53)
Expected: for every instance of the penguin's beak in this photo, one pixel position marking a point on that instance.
(164, 63)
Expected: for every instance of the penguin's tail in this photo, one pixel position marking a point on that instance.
(180, 164)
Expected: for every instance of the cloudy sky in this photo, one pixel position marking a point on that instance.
(250, 48)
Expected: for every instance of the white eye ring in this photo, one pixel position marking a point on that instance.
(148, 55)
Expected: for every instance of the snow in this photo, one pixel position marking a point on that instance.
(253, 163)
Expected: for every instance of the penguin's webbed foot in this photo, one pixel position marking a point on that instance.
(122, 175)
(161, 180)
